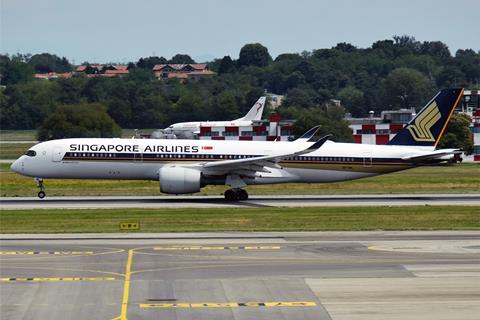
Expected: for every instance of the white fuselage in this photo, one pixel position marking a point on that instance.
(188, 130)
(141, 159)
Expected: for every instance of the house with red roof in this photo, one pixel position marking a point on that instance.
(182, 71)
(110, 70)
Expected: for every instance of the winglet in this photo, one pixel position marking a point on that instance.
(317, 144)
(309, 134)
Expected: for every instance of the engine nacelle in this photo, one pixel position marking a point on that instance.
(178, 180)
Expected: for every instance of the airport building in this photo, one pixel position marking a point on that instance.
(379, 130)
(262, 130)
(471, 106)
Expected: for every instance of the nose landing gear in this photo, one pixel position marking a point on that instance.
(236, 195)
(39, 181)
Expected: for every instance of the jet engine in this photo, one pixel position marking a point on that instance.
(178, 180)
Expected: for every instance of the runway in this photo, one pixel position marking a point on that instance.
(254, 201)
(311, 275)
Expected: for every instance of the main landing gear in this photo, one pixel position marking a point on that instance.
(236, 195)
(39, 182)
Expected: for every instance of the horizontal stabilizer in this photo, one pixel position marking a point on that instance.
(438, 155)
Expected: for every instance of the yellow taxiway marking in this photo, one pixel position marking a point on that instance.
(400, 248)
(43, 252)
(217, 248)
(126, 286)
(230, 304)
(56, 279)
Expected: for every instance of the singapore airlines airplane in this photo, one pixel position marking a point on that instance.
(185, 166)
(188, 130)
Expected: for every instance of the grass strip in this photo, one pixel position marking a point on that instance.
(13, 150)
(242, 219)
(464, 178)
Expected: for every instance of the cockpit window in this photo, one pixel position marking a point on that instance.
(30, 153)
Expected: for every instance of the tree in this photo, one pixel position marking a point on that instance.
(226, 65)
(436, 49)
(297, 97)
(406, 88)
(79, 121)
(345, 47)
(226, 106)
(331, 120)
(458, 134)
(46, 62)
(150, 62)
(254, 54)
(353, 100)
(181, 59)
(469, 62)
(14, 71)
(28, 104)
(406, 44)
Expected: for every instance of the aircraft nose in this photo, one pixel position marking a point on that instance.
(16, 166)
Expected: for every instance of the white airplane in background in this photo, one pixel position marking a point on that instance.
(188, 130)
(185, 166)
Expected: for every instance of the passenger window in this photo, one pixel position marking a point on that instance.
(30, 153)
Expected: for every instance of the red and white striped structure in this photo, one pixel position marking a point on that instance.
(376, 133)
(275, 130)
(379, 130)
(476, 134)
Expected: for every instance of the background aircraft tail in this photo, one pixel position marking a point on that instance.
(255, 113)
(426, 129)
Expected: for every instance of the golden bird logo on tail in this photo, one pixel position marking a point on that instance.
(420, 129)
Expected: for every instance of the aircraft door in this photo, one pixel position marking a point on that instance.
(367, 159)
(57, 154)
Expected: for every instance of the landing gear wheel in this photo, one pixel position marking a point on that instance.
(236, 195)
(39, 181)
(242, 195)
(229, 195)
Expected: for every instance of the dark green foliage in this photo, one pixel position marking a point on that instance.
(391, 74)
(46, 62)
(79, 121)
(329, 117)
(226, 65)
(458, 134)
(406, 88)
(14, 70)
(150, 62)
(181, 59)
(254, 54)
(28, 104)
(352, 99)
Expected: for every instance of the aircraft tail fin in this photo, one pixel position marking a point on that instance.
(427, 127)
(256, 112)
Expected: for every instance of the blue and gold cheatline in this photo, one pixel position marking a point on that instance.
(373, 165)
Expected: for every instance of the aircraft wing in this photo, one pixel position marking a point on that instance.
(437, 155)
(258, 164)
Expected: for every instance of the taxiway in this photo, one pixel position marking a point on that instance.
(312, 275)
(254, 201)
